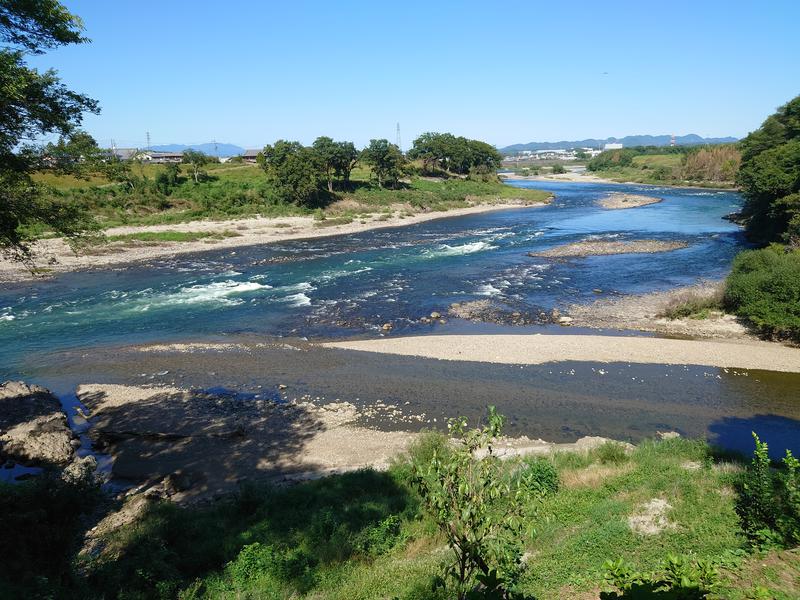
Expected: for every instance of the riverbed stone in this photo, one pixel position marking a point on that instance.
(33, 427)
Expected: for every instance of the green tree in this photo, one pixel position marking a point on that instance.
(196, 160)
(327, 151)
(345, 160)
(769, 177)
(168, 178)
(33, 104)
(77, 154)
(385, 160)
(294, 171)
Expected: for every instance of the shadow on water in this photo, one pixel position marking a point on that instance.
(735, 433)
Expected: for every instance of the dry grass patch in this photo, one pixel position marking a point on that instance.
(594, 475)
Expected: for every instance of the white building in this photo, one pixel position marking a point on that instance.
(612, 146)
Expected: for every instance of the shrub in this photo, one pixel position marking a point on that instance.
(477, 510)
(769, 501)
(611, 453)
(692, 304)
(680, 579)
(540, 476)
(558, 169)
(764, 288)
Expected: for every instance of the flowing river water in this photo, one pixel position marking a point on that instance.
(62, 331)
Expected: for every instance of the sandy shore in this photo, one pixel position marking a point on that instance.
(539, 349)
(583, 177)
(55, 256)
(603, 248)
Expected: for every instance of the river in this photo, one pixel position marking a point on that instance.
(346, 286)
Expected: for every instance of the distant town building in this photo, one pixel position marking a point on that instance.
(160, 157)
(250, 155)
(612, 146)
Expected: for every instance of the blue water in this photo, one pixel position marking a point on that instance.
(350, 285)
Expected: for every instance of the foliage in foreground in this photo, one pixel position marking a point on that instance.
(368, 535)
(478, 509)
(34, 104)
(769, 500)
(40, 520)
(680, 578)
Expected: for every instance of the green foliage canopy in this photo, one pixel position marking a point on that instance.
(770, 177)
(33, 104)
(295, 171)
(455, 154)
(385, 160)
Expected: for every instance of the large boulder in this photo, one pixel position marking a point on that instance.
(33, 428)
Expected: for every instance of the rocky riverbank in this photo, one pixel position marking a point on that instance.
(644, 312)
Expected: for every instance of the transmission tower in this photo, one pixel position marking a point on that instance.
(216, 152)
(399, 141)
(148, 139)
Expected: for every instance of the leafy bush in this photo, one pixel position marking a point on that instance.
(539, 475)
(679, 579)
(257, 560)
(558, 169)
(477, 510)
(611, 453)
(769, 500)
(764, 288)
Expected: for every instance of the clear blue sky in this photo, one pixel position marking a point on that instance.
(250, 72)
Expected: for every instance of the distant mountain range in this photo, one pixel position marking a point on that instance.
(209, 148)
(627, 141)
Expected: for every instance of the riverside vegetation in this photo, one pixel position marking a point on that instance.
(764, 285)
(670, 518)
(704, 166)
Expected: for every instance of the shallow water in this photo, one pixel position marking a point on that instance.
(351, 285)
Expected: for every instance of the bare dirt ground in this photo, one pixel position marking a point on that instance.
(55, 256)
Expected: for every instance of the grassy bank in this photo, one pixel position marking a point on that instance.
(242, 190)
(365, 535)
(713, 166)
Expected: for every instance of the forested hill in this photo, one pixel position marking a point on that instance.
(627, 141)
